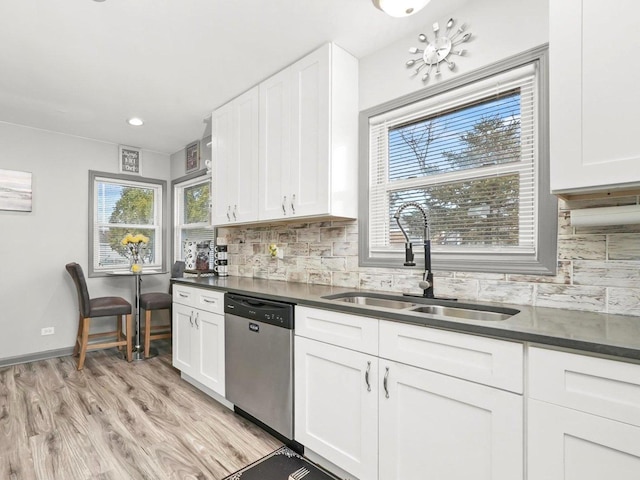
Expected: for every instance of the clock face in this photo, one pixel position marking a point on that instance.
(438, 48)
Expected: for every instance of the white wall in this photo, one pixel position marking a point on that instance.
(35, 289)
(500, 28)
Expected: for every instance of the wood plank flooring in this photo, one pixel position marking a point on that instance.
(117, 421)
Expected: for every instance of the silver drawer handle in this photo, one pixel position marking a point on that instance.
(386, 386)
(366, 376)
(293, 208)
(235, 210)
(191, 318)
(197, 315)
(208, 301)
(284, 208)
(229, 214)
(184, 295)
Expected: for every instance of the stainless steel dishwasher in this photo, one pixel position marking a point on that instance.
(259, 360)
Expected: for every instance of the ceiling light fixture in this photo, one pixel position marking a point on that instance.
(400, 8)
(135, 121)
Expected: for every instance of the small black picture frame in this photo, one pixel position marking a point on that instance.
(192, 157)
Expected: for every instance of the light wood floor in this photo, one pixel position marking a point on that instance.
(117, 421)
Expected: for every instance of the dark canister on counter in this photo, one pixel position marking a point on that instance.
(202, 256)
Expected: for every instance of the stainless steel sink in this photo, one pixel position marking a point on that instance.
(466, 313)
(427, 306)
(376, 302)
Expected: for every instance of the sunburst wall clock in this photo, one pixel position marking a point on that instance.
(438, 49)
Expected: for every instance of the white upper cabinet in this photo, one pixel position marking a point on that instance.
(308, 138)
(234, 136)
(593, 99)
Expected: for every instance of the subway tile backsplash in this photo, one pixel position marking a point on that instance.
(598, 267)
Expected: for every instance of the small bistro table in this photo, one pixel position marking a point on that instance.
(138, 348)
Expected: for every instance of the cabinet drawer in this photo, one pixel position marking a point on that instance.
(341, 329)
(200, 298)
(184, 295)
(210, 301)
(607, 388)
(496, 363)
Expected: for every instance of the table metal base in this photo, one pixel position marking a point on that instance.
(138, 353)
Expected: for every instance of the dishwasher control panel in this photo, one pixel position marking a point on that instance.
(259, 309)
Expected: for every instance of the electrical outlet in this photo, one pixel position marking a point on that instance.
(48, 331)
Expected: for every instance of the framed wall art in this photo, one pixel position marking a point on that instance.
(15, 190)
(192, 162)
(130, 160)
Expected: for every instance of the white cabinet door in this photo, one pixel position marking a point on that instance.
(234, 150)
(566, 444)
(435, 426)
(275, 146)
(336, 410)
(244, 171)
(593, 106)
(309, 187)
(209, 332)
(182, 339)
(222, 191)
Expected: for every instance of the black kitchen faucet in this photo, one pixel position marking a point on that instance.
(427, 279)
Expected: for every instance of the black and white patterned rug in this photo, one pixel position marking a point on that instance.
(279, 465)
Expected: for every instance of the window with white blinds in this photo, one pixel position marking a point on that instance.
(121, 205)
(470, 156)
(192, 212)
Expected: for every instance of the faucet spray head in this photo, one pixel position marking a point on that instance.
(408, 255)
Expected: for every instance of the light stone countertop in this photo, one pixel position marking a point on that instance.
(616, 335)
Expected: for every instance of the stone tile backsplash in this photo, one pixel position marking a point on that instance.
(598, 267)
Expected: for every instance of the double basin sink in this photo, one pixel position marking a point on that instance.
(427, 306)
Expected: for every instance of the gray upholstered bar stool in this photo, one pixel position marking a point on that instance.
(158, 301)
(98, 307)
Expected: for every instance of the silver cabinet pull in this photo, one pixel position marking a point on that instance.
(229, 213)
(366, 376)
(191, 318)
(385, 383)
(284, 208)
(293, 208)
(197, 315)
(235, 210)
(183, 295)
(206, 300)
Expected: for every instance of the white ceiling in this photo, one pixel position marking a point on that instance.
(83, 67)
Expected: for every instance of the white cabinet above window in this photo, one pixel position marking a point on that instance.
(593, 99)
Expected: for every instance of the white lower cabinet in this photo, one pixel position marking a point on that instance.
(566, 444)
(436, 426)
(583, 417)
(336, 401)
(198, 337)
(378, 418)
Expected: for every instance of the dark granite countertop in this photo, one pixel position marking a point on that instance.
(616, 335)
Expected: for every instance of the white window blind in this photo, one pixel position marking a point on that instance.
(120, 207)
(192, 213)
(469, 156)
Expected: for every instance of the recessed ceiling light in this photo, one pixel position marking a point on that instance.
(135, 121)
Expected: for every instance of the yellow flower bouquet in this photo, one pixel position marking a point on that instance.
(134, 245)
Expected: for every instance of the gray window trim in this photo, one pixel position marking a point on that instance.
(184, 178)
(545, 263)
(132, 178)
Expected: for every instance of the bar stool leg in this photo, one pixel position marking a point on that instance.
(76, 347)
(84, 343)
(119, 330)
(147, 333)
